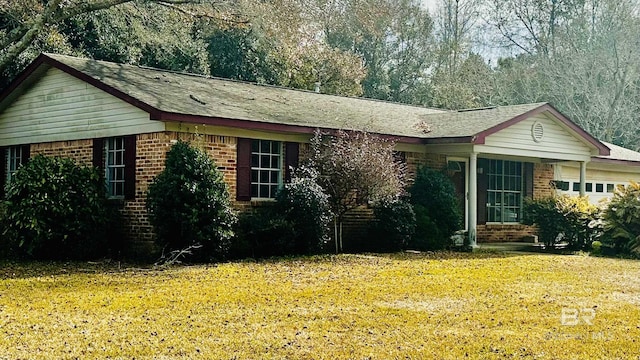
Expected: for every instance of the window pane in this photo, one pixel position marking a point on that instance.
(274, 177)
(255, 145)
(265, 146)
(264, 177)
(254, 176)
(610, 188)
(275, 163)
(274, 190)
(589, 187)
(264, 161)
(254, 190)
(576, 186)
(264, 191)
(255, 160)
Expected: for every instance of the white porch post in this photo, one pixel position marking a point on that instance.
(583, 178)
(472, 198)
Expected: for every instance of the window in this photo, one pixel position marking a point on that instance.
(266, 168)
(14, 160)
(262, 166)
(576, 186)
(589, 187)
(11, 158)
(599, 188)
(610, 188)
(116, 156)
(114, 166)
(504, 191)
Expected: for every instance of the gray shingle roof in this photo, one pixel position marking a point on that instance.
(189, 94)
(620, 153)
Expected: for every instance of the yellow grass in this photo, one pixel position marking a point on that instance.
(335, 307)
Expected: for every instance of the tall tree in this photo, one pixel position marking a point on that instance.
(31, 26)
(593, 74)
(393, 38)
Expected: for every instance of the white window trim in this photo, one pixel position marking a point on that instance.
(107, 167)
(280, 155)
(13, 158)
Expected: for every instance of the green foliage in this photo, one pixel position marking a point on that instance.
(56, 209)
(394, 226)
(436, 207)
(263, 232)
(622, 219)
(304, 204)
(188, 204)
(563, 218)
(296, 224)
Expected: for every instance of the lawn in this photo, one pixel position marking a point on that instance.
(409, 306)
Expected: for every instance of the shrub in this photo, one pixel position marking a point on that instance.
(393, 227)
(436, 208)
(263, 232)
(188, 204)
(56, 209)
(297, 223)
(622, 219)
(563, 218)
(305, 206)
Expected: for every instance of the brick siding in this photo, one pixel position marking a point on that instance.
(81, 151)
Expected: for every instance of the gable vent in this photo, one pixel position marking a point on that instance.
(537, 131)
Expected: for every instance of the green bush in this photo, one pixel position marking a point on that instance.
(436, 208)
(56, 209)
(296, 224)
(621, 219)
(393, 227)
(188, 204)
(263, 232)
(305, 206)
(563, 218)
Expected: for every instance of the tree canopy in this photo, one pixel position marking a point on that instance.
(580, 55)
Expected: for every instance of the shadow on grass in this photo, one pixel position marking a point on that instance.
(32, 269)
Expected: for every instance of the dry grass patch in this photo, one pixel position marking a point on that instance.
(443, 305)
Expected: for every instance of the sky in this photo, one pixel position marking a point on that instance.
(430, 4)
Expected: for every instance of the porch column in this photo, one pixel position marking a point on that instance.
(473, 198)
(583, 178)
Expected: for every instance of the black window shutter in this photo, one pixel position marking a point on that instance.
(130, 167)
(26, 154)
(528, 180)
(98, 153)
(243, 170)
(292, 151)
(483, 185)
(3, 171)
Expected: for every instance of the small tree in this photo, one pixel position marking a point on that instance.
(355, 169)
(56, 209)
(188, 204)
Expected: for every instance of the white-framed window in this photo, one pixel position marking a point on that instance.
(266, 168)
(14, 158)
(114, 166)
(505, 191)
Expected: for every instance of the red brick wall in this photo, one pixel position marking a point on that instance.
(79, 150)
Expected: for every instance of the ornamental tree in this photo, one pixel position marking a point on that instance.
(355, 169)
